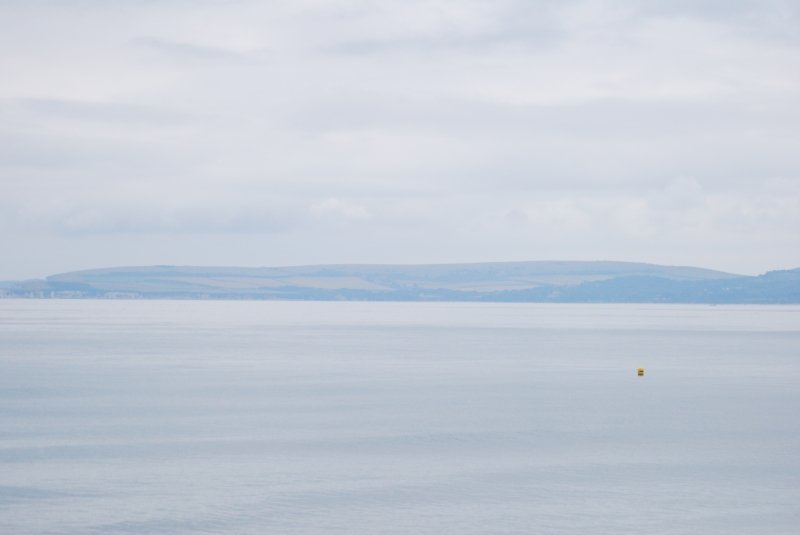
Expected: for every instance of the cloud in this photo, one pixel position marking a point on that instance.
(340, 209)
(100, 112)
(128, 218)
(392, 131)
(182, 52)
(681, 195)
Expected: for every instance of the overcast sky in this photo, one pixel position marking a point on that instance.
(257, 133)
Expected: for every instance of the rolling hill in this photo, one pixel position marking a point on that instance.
(602, 281)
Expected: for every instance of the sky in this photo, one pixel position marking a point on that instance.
(255, 133)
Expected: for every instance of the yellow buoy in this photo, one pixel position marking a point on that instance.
(641, 371)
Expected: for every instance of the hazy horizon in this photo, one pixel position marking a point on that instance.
(399, 264)
(444, 264)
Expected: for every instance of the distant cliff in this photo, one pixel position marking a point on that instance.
(556, 282)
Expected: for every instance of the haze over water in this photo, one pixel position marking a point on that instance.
(309, 417)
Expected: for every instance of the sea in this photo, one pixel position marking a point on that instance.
(288, 417)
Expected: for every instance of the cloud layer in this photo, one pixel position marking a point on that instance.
(253, 133)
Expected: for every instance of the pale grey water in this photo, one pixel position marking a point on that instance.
(318, 418)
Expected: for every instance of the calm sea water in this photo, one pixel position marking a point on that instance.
(372, 418)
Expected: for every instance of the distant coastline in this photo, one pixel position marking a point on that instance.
(522, 282)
